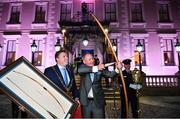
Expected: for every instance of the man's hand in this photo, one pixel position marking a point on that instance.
(22, 108)
(77, 100)
(101, 67)
(119, 65)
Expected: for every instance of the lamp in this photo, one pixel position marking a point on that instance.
(85, 41)
(33, 49)
(139, 48)
(1, 47)
(106, 30)
(177, 46)
(84, 8)
(57, 45)
(63, 31)
(33, 46)
(114, 46)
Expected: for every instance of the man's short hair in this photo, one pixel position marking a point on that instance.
(85, 55)
(59, 52)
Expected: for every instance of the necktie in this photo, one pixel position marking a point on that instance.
(92, 76)
(65, 77)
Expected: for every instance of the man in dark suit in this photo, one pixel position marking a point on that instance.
(62, 76)
(130, 89)
(91, 92)
(96, 60)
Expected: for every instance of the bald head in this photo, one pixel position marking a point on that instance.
(88, 60)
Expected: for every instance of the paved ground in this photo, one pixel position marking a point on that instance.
(152, 107)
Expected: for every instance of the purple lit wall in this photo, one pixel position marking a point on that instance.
(126, 32)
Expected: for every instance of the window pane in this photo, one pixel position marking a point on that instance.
(40, 14)
(110, 11)
(143, 58)
(169, 45)
(11, 52)
(38, 53)
(168, 58)
(15, 15)
(107, 7)
(10, 57)
(90, 7)
(168, 52)
(163, 13)
(136, 54)
(136, 12)
(65, 14)
(38, 58)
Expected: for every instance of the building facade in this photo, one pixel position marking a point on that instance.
(154, 23)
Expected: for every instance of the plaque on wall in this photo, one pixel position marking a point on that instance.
(27, 86)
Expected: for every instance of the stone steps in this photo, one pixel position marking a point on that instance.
(110, 93)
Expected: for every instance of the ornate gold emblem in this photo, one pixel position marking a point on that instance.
(136, 74)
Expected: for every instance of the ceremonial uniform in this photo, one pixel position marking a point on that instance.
(131, 92)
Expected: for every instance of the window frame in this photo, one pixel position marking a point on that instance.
(38, 43)
(143, 52)
(168, 51)
(110, 13)
(19, 5)
(70, 13)
(12, 51)
(168, 13)
(45, 6)
(142, 12)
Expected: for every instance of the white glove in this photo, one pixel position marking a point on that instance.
(135, 86)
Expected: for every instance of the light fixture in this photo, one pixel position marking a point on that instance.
(139, 46)
(85, 41)
(33, 46)
(63, 31)
(84, 8)
(114, 46)
(106, 30)
(1, 47)
(57, 45)
(177, 46)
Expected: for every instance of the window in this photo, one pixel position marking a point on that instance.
(164, 13)
(15, 15)
(90, 7)
(65, 12)
(38, 53)
(136, 12)
(40, 14)
(168, 52)
(11, 52)
(110, 12)
(143, 55)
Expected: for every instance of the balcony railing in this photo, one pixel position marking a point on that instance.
(161, 81)
(152, 86)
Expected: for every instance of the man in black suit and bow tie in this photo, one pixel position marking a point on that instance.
(91, 92)
(62, 76)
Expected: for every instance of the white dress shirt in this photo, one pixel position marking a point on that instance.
(61, 68)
